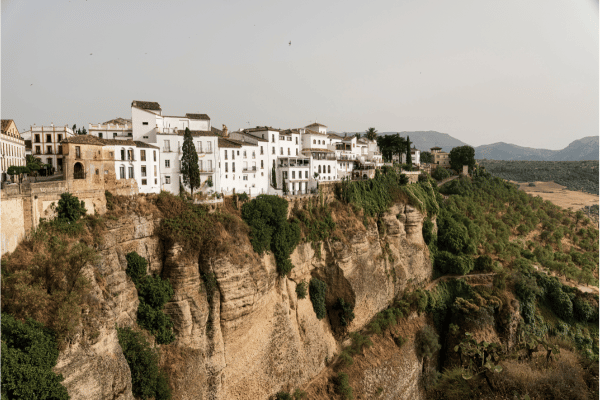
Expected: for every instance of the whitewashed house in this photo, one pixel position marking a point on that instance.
(415, 156)
(137, 160)
(243, 168)
(118, 128)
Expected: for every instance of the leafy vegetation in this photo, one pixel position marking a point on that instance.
(343, 386)
(29, 352)
(190, 171)
(270, 230)
(147, 379)
(440, 173)
(153, 293)
(575, 175)
(301, 291)
(317, 289)
(462, 155)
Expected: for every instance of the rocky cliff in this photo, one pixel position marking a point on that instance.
(250, 336)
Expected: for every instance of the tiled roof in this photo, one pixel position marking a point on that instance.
(5, 124)
(261, 128)
(197, 116)
(229, 143)
(117, 142)
(334, 136)
(311, 132)
(143, 145)
(117, 121)
(198, 133)
(146, 105)
(258, 138)
(84, 139)
(316, 124)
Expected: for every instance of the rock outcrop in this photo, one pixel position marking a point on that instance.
(249, 336)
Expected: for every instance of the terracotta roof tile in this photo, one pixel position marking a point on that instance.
(229, 143)
(5, 124)
(144, 145)
(117, 121)
(316, 124)
(146, 105)
(197, 116)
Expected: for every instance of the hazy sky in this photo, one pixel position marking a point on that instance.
(524, 72)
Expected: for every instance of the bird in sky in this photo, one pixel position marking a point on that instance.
(90, 54)
(290, 42)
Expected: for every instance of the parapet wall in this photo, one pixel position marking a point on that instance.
(23, 205)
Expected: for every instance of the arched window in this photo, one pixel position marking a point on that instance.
(329, 169)
(78, 172)
(314, 141)
(319, 169)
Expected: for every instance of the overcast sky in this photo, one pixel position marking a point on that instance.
(523, 72)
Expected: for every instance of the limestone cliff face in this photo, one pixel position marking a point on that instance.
(251, 336)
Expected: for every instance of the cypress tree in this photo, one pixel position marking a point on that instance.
(189, 162)
(408, 156)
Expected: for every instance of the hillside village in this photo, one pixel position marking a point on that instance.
(147, 149)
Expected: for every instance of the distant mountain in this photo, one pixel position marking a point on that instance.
(425, 140)
(579, 150)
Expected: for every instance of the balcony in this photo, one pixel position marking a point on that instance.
(249, 169)
(207, 170)
(204, 151)
(49, 152)
(167, 150)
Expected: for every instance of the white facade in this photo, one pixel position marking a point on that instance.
(118, 128)
(12, 147)
(415, 156)
(45, 143)
(139, 161)
(243, 167)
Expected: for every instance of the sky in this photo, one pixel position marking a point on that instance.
(522, 72)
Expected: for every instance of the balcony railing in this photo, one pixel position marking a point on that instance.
(203, 151)
(49, 152)
(207, 170)
(167, 150)
(249, 169)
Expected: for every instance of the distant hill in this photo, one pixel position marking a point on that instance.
(579, 150)
(425, 140)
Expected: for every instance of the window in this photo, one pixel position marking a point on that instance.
(114, 134)
(49, 161)
(59, 138)
(155, 181)
(261, 151)
(293, 174)
(77, 152)
(154, 155)
(48, 138)
(200, 165)
(273, 138)
(289, 139)
(329, 169)
(244, 153)
(296, 140)
(155, 170)
(130, 154)
(167, 145)
(245, 177)
(226, 154)
(233, 154)
(130, 172)
(262, 164)
(37, 150)
(100, 135)
(281, 150)
(199, 148)
(143, 155)
(110, 153)
(122, 154)
(209, 147)
(245, 166)
(167, 180)
(238, 152)
(209, 165)
(143, 181)
(289, 151)
(226, 169)
(284, 174)
(37, 138)
(319, 169)
(305, 174)
(273, 150)
(122, 172)
(144, 123)
(296, 151)
(253, 154)
(232, 167)
(143, 170)
(48, 149)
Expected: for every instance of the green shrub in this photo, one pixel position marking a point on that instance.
(301, 289)
(346, 358)
(427, 342)
(440, 173)
(269, 229)
(147, 380)
(282, 395)
(70, 208)
(582, 310)
(317, 289)
(153, 293)
(343, 386)
(484, 263)
(29, 352)
(428, 234)
(346, 311)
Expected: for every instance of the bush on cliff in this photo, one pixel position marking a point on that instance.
(317, 289)
(153, 293)
(70, 208)
(29, 352)
(270, 230)
(147, 380)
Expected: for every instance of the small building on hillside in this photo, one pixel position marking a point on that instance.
(440, 157)
(46, 143)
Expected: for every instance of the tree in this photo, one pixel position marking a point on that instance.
(74, 128)
(371, 134)
(70, 208)
(408, 155)
(462, 155)
(189, 163)
(391, 145)
(426, 157)
(273, 178)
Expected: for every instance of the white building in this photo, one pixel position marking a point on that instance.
(415, 156)
(243, 168)
(45, 143)
(137, 160)
(322, 159)
(118, 128)
(12, 147)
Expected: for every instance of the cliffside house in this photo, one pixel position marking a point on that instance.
(46, 143)
(12, 148)
(440, 157)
